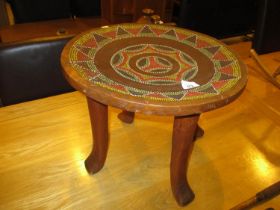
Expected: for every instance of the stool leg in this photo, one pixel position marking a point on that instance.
(199, 132)
(126, 116)
(184, 130)
(99, 127)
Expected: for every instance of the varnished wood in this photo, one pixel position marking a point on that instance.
(42, 153)
(184, 129)
(264, 70)
(99, 123)
(126, 117)
(25, 31)
(199, 132)
(260, 197)
(125, 11)
(140, 104)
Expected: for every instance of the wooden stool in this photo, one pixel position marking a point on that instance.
(152, 69)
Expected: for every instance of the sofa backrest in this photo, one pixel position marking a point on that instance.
(37, 10)
(31, 70)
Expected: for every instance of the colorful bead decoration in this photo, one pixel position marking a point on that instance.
(151, 61)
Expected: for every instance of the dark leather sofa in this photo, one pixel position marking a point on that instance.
(267, 33)
(31, 70)
(37, 10)
(218, 18)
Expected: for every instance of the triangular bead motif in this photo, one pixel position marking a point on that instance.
(146, 30)
(226, 77)
(201, 43)
(181, 36)
(192, 39)
(219, 56)
(219, 84)
(158, 31)
(121, 32)
(81, 56)
(227, 70)
(212, 49)
(82, 64)
(110, 34)
(133, 31)
(90, 43)
(98, 38)
(224, 63)
(84, 49)
(176, 96)
(171, 33)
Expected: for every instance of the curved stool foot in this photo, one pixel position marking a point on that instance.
(126, 116)
(184, 196)
(93, 165)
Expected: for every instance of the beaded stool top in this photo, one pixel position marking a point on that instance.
(155, 63)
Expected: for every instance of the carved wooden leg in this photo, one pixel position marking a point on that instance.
(99, 127)
(184, 129)
(126, 116)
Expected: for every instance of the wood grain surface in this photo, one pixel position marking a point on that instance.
(43, 145)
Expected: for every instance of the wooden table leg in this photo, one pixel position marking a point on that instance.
(126, 116)
(184, 130)
(99, 125)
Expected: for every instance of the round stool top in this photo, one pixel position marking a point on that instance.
(154, 69)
